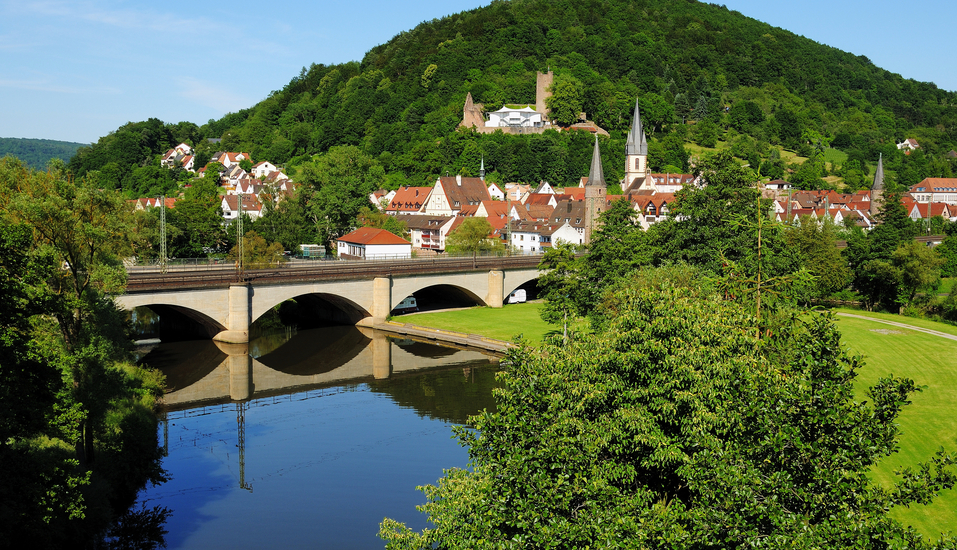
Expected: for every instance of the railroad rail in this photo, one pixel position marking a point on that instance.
(321, 271)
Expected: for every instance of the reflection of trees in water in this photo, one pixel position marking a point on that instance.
(451, 395)
(145, 323)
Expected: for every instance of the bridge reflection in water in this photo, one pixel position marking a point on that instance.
(204, 372)
(309, 439)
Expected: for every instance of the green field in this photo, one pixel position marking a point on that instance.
(917, 322)
(930, 421)
(503, 324)
(947, 285)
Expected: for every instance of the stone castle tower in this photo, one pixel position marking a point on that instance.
(877, 190)
(543, 84)
(636, 155)
(595, 193)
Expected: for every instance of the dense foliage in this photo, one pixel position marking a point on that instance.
(756, 87)
(79, 430)
(37, 152)
(675, 427)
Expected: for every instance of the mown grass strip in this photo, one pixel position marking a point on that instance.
(501, 324)
(930, 421)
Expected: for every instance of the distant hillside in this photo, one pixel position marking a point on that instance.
(702, 73)
(37, 152)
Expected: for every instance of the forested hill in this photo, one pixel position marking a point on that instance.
(38, 152)
(701, 72)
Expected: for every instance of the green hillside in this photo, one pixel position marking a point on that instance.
(38, 152)
(703, 75)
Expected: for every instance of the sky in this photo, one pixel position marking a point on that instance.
(77, 70)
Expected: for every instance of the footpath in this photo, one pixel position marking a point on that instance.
(901, 325)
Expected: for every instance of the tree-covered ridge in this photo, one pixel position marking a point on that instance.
(700, 71)
(37, 152)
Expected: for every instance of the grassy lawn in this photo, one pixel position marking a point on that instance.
(922, 323)
(834, 155)
(946, 285)
(502, 324)
(930, 421)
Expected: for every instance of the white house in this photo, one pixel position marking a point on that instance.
(496, 192)
(908, 144)
(251, 206)
(523, 117)
(935, 190)
(260, 170)
(371, 243)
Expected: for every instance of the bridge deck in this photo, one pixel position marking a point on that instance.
(321, 271)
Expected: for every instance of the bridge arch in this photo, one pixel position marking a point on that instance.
(319, 305)
(352, 298)
(519, 279)
(197, 312)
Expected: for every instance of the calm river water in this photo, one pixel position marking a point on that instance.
(309, 440)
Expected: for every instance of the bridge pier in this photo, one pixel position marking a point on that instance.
(238, 319)
(381, 299)
(381, 356)
(496, 289)
(239, 365)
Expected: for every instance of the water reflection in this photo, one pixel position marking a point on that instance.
(308, 440)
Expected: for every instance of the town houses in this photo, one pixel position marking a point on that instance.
(530, 218)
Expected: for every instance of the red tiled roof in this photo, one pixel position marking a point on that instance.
(372, 235)
(409, 199)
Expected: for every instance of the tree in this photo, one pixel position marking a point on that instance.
(257, 253)
(381, 220)
(336, 186)
(561, 286)
(472, 237)
(919, 268)
(72, 234)
(676, 428)
(700, 229)
(813, 241)
(565, 103)
(199, 219)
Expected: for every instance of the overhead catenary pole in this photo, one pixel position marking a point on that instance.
(162, 254)
(239, 238)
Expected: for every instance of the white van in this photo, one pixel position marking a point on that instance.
(517, 297)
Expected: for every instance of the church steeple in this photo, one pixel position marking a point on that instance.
(636, 155)
(879, 175)
(636, 144)
(596, 175)
(595, 190)
(877, 190)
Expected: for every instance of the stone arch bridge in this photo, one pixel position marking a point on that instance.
(225, 302)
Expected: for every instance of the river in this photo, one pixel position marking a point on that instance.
(309, 440)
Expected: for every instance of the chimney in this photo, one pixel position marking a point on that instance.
(458, 180)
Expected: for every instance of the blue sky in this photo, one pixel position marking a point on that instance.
(76, 70)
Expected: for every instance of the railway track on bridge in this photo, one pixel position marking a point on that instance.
(321, 271)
